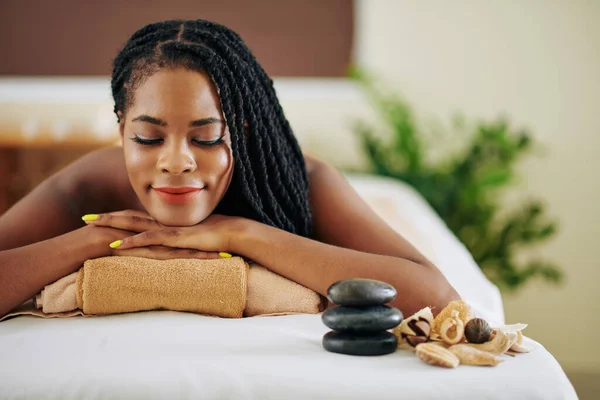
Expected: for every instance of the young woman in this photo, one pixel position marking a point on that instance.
(209, 167)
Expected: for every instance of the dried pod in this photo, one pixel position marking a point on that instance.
(441, 344)
(464, 313)
(415, 329)
(512, 338)
(511, 328)
(477, 330)
(433, 354)
(471, 356)
(519, 337)
(452, 329)
(518, 347)
(413, 341)
(498, 345)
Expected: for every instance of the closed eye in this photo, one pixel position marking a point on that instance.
(152, 142)
(208, 143)
(146, 142)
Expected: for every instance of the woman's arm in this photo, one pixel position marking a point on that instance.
(318, 265)
(352, 242)
(24, 271)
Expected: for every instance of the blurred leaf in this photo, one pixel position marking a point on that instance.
(464, 187)
(493, 178)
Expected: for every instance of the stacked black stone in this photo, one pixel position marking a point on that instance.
(360, 324)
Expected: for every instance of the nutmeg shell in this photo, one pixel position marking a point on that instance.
(464, 313)
(477, 330)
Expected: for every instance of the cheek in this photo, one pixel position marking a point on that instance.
(216, 163)
(225, 162)
(221, 172)
(136, 163)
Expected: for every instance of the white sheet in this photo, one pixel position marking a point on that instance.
(171, 355)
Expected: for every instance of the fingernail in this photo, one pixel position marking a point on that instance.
(90, 217)
(225, 255)
(116, 244)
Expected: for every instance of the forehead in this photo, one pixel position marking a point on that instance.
(176, 91)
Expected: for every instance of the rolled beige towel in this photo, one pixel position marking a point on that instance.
(225, 287)
(59, 296)
(111, 285)
(270, 294)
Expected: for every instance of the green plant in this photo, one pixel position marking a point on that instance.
(464, 187)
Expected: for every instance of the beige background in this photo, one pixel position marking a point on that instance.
(537, 62)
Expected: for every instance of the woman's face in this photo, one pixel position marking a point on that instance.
(177, 147)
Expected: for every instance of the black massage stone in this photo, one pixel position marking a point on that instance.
(374, 344)
(362, 319)
(361, 292)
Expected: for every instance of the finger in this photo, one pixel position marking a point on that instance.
(166, 253)
(144, 252)
(156, 252)
(193, 253)
(132, 223)
(169, 237)
(132, 213)
(207, 255)
(129, 213)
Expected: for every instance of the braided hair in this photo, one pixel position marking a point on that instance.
(269, 182)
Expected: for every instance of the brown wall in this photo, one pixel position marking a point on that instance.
(74, 37)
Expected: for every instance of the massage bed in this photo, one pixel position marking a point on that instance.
(181, 355)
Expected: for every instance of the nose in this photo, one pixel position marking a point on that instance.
(176, 158)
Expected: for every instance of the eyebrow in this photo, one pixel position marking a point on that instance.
(160, 122)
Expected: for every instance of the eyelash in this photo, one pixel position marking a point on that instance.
(154, 142)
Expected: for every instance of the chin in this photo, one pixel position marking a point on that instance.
(177, 219)
(178, 222)
(178, 213)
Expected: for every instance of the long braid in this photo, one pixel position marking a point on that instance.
(269, 119)
(261, 146)
(220, 37)
(270, 182)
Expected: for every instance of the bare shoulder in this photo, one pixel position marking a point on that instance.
(311, 163)
(95, 183)
(111, 157)
(101, 176)
(342, 218)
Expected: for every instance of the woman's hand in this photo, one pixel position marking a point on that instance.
(129, 220)
(97, 237)
(103, 235)
(209, 239)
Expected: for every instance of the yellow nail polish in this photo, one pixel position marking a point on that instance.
(90, 217)
(225, 255)
(116, 244)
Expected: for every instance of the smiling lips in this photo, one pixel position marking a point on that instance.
(177, 195)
